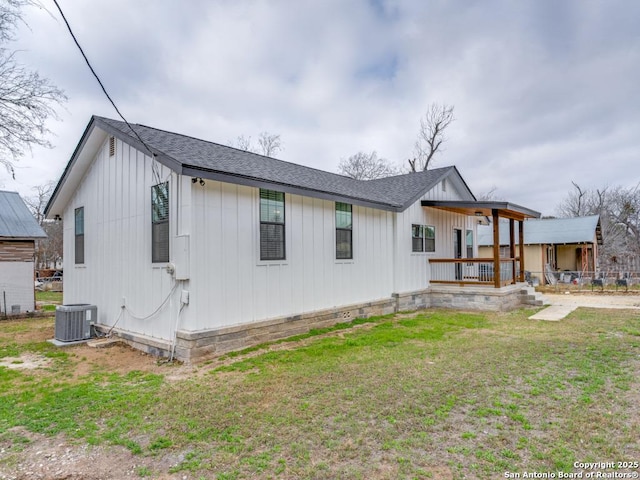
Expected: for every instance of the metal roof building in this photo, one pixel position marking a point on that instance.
(16, 221)
(555, 231)
(18, 232)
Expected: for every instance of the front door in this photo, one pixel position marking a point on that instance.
(457, 251)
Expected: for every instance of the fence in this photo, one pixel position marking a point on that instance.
(473, 271)
(587, 281)
(49, 284)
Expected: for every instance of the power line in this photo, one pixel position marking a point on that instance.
(156, 174)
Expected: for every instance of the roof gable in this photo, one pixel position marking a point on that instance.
(16, 221)
(199, 158)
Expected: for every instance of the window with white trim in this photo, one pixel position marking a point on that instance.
(423, 238)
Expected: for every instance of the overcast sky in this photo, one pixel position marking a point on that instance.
(545, 91)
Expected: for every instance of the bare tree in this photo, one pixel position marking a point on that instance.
(623, 219)
(38, 202)
(581, 202)
(27, 100)
(577, 203)
(619, 211)
(242, 143)
(10, 16)
(366, 166)
(48, 250)
(489, 196)
(268, 144)
(431, 135)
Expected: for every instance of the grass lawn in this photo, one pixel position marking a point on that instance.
(430, 395)
(53, 297)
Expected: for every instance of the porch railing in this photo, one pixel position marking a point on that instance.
(474, 271)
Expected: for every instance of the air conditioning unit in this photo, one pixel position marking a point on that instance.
(73, 322)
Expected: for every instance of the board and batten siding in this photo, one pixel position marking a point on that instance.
(218, 225)
(412, 269)
(116, 196)
(229, 283)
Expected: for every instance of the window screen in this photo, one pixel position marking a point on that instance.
(272, 242)
(160, 223)
(344, 230)
(423, 238)
(79, 234)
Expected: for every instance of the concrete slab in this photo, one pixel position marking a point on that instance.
(104, 342)
(59, 343)
(563, 305)
(554, 313)
(631, 302)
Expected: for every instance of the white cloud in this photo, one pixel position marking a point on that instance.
(544, 91)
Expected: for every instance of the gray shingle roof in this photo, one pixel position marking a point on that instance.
(16, 221)
(200, 158)
(555, 231)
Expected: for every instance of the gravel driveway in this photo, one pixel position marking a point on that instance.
(595, 301)
(563, 305)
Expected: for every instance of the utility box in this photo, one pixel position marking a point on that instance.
(73, 322)
(181, 256)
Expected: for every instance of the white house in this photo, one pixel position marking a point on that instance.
(18, 233)
(195, 248)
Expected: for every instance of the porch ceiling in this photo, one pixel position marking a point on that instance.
(483, 209)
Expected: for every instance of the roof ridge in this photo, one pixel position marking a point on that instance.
(412, 173)
(196, 156)
(239, 150)
(361, 181)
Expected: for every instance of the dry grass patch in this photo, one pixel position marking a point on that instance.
(434, 395)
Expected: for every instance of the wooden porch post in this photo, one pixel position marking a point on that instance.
(496, 248)
(512, 249)
(521, 243)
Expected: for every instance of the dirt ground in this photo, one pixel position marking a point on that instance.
(591, 300)
(59, 458)
(55, 458)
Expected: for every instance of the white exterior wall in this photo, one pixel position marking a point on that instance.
(16, 286)
(231, 285)
(116, 196)
(218, 223)
(412, 269)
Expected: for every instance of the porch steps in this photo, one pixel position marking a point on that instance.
(531, 297)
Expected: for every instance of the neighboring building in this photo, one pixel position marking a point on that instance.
(18, 232)
(562, 244)
(200, 248)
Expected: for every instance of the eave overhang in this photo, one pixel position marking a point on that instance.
(483, 209)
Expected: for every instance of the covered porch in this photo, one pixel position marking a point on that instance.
(492, 271)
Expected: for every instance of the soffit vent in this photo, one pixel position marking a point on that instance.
(112, 146)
